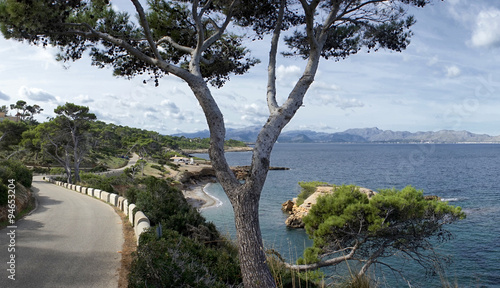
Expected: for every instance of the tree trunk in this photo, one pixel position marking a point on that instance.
(255, 271)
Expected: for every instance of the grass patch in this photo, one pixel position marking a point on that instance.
(114, 162)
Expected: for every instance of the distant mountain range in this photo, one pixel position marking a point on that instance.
(363, 135)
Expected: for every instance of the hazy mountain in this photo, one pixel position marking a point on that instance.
(359, 135)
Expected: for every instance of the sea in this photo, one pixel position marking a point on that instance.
(465, 175)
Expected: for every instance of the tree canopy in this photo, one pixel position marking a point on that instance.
(346, 225)
(26, 112)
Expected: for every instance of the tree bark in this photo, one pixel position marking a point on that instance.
(255, 272)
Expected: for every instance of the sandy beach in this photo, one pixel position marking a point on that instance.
(195, 196)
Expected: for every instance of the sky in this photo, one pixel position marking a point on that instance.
(448, 78)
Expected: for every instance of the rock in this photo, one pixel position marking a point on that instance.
(287, 206)
(432, 197)
(294, 221)
(183, 176)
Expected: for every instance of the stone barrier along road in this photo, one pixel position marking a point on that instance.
(70, 240)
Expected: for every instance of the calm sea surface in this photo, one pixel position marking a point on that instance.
(464, 175)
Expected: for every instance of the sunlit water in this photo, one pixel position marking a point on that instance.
(464, 175)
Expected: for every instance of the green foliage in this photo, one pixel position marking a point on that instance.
(190, 253)
(16, 170)
(158, 167)
(11, 134)
(166, 204)
(98, 169)
(178, 261)
(287, 278)
(26, 112)
(391, 221)
(56, 171)
(13, 170)
(234, 143)
(307, 189)
(101, 182)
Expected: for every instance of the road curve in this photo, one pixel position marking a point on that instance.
(70, 240)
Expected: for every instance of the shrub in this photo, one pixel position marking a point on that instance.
(96, 181)
(15, 170)
(57, 170)
(307, 189)
(158, 167)
(178, 261)
(190, 253)
(40, 170)
(98, 169)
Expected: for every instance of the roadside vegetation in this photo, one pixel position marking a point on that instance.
(14, 176)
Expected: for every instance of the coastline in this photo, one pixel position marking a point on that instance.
(196, 196)
(226, 149)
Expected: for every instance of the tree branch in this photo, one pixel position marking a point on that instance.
(147, 31)
(329, 262)
(220, 30)
(167, 67)
(271, 70)
(169, 40)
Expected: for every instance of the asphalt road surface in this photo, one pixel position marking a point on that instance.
(70, 240)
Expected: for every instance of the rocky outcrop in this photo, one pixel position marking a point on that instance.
(299, 212)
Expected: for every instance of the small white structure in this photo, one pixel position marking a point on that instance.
(177, 160)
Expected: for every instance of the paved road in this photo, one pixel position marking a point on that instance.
(70, 240)
(118, 171)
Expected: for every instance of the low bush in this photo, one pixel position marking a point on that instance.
(98, 169)
(190, 252)
(56, 171)
(96, 181)
(15, 170)
(307, 189)
(158, 167)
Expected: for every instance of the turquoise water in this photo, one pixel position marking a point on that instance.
(464, 175)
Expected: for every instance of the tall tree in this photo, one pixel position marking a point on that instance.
(74, 121)
(46, 137)
(26, 113)
(190, 40)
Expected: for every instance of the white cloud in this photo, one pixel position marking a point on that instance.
(84, 99)
(287, 73)
(170, 106)
(321, 85)
(487, 30)
(4, 96)
(255, 114)
(337, 101)
(36, 94)
(452, 71)
(171, 110)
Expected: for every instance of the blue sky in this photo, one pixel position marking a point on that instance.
(448, 78)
